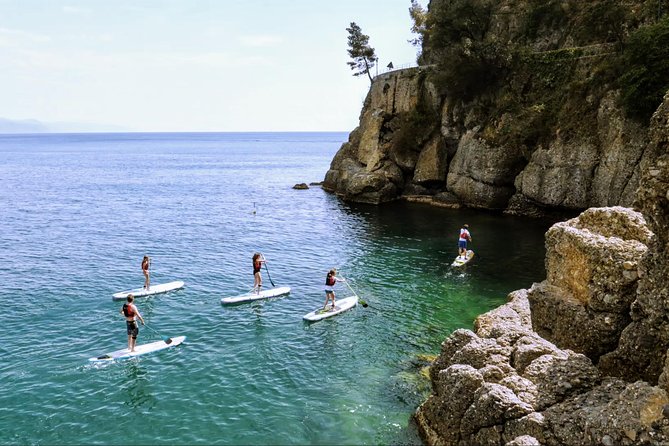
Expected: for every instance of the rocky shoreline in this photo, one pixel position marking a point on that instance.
(581, 358)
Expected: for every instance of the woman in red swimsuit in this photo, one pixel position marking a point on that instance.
(258, 260)
(146, 264)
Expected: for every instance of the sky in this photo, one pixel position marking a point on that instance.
(193, 65)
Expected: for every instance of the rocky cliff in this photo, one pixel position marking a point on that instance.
(550, 134)
(581, 358)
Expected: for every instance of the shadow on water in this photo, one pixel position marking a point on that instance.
(136, 387)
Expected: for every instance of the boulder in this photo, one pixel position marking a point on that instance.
(592, 277)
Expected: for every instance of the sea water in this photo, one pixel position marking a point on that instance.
(80, 211)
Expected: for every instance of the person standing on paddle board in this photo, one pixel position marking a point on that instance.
(465, 237)
(131, 313)
(146, 264)
(330, 281)
(258, 260)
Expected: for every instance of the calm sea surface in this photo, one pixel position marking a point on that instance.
(78, 212)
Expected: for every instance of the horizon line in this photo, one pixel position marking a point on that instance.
(175, 132)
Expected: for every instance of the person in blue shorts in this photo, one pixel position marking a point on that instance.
(465, 237)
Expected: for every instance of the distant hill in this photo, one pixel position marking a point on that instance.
(22, 126)
(34, 126)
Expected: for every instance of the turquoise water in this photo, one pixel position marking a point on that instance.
(80, 211)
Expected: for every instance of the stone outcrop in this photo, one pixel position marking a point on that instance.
(581, 358)
(370, 168)
(592, 268)
(504, 384)
(416, 139)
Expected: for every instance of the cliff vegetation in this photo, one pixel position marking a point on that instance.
(527, 106)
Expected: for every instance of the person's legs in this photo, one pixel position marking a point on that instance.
(328, 295)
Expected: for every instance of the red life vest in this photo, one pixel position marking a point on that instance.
(129, 311)
(330, 280)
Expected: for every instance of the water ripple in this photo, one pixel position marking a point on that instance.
(81, 210)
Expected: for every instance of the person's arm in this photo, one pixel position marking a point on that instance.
(139, 315)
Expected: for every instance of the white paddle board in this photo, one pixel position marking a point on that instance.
(251, 296)
(153, 289)
(459, 261)
(143, 349)
(341, 305)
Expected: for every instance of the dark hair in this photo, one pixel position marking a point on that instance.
(130, 298)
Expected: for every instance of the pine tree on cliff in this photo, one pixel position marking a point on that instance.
(362, 54)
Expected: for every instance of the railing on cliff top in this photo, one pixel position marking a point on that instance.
(392, 67)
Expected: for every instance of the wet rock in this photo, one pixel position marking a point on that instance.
(301, 186)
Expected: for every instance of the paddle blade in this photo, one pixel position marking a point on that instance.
(363, 303)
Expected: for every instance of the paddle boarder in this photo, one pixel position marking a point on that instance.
(258, 260)
(131, 313)
(465, 237)
(330, 281)
(146, 264)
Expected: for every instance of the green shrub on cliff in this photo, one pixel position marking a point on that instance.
(588, 22)
(645, 78)
(469, 64)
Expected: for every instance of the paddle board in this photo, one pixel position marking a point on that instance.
(459, 261)
(341, 305)
(251, 296)
(143, 349)
(154, 289)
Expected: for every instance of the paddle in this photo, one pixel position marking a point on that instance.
(362, 301)
(166, 339)
(267, 269)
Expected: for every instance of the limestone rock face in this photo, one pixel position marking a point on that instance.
(643, 345)
(506, 148)
(483, 175)
(592, 268)
(606, 295)
(538, 394)
(366, 168)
